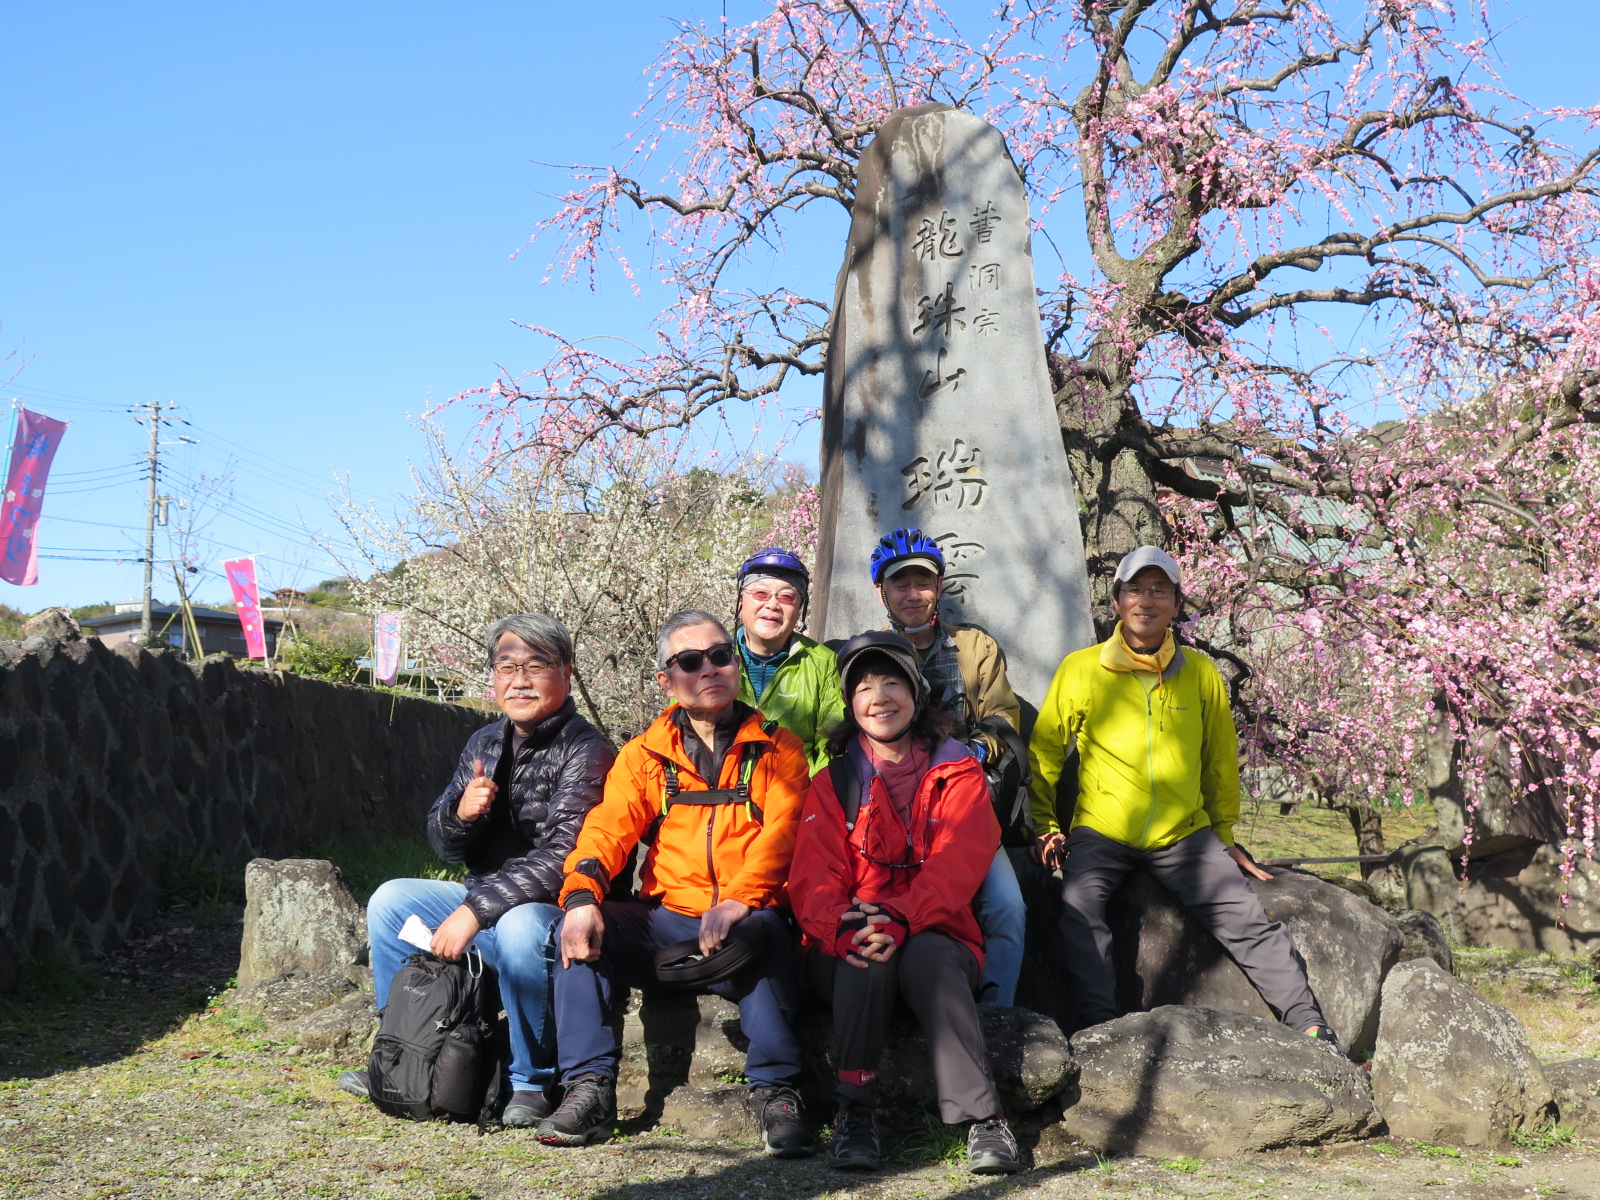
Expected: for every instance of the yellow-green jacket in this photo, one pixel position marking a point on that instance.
(1155, 763)
(803, 696)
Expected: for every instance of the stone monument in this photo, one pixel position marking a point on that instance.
(937, 410)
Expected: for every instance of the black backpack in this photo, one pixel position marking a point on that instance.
(442, 1050)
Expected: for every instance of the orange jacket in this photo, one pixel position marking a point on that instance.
(702, 854)
(953, 831)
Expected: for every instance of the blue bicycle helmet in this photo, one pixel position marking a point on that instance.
(901, 545)
(774, 561)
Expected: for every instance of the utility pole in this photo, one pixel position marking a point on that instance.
(152, 412)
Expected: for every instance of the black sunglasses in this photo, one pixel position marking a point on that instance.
(690, 661)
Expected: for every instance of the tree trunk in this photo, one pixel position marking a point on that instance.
(1367, 822)
(1117, 500)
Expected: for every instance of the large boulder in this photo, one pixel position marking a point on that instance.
(1211, 1083)
(299, 916)
(55, 624)
(683, 1061)
(1451, 1067)
(1163, 956)
(1424, 938)
(1576, 1087)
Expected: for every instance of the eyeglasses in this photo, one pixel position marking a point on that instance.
(532, 668)
(1154, 593)
(912, 857)
(690, 661)
(784, 599)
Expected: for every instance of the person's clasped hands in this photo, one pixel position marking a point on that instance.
(870, 932)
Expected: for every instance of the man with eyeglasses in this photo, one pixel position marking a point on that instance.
(512, 812)
(1158, 787)
(789, 677)
(713, 790)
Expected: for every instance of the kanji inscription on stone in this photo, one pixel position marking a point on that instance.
(936, 350)
(939, 312)
(983, 222)
(938, 237)
(950, 477)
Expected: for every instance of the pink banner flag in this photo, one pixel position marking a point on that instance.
(37, 439)
(386, 648)
(241, 574)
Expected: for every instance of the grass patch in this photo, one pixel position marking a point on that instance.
(1439, 1151)
(201, 886)
(1314, 832)
(1507, 1160)
(1547, 1137)
(1183, 1163)
(1555, 998)
(55, 978)
(919, 1138)
(366, 868)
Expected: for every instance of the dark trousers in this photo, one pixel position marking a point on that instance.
(1202, 877)
(936, 975)
(588, 995)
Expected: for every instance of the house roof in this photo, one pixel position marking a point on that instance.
(167, 610)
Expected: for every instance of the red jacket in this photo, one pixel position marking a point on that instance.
(953, 830)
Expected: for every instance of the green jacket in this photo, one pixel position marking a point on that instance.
(1155, 763)
(803, 696)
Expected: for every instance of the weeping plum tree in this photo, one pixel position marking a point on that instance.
(1280, 221)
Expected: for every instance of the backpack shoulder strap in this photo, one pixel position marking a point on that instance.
(846, 787)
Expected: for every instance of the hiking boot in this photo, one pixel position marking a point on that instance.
(992, 1149)
(855, 1141)
(526, 1108)
(1325, 1038)
(588, 1106)
(355, 1082)
(783, 1133)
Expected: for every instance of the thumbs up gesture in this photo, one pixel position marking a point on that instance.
(478, 796)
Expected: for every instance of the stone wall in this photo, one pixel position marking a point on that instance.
(117, 762)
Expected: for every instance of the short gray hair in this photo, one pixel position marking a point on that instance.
(539, 630)
(686, 619)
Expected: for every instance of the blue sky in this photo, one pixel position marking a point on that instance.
(298, 222)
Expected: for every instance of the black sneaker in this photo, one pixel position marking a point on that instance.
(992, 1149)
(587, 1108)
(525, 1109)
(355, 1082)
(855, 1141)
(783, 1133)
(1325, 1038)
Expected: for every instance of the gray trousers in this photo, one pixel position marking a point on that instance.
(1202, 877)
(937, 976)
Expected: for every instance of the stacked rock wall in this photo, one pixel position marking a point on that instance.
(116, 763)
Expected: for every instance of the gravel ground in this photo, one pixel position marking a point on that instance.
(150, 1086)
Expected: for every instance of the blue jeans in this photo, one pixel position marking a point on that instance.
(587, 994)
(1004, 919)
(519, 947)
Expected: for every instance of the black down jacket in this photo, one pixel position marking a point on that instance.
(514, 852)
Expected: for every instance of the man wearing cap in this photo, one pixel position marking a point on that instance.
(965, 670)
(713, 791)
(1158, 787)
(785, 674)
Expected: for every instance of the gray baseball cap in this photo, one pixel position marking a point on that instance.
(1147, 556)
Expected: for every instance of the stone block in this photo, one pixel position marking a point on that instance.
(1518, 899)
(1424, 938)
(299, 916)
(1205, 1082)
(342, 1029)
(1451, 1068)
(290, 995)
(1575, 1084)
(54, 624)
